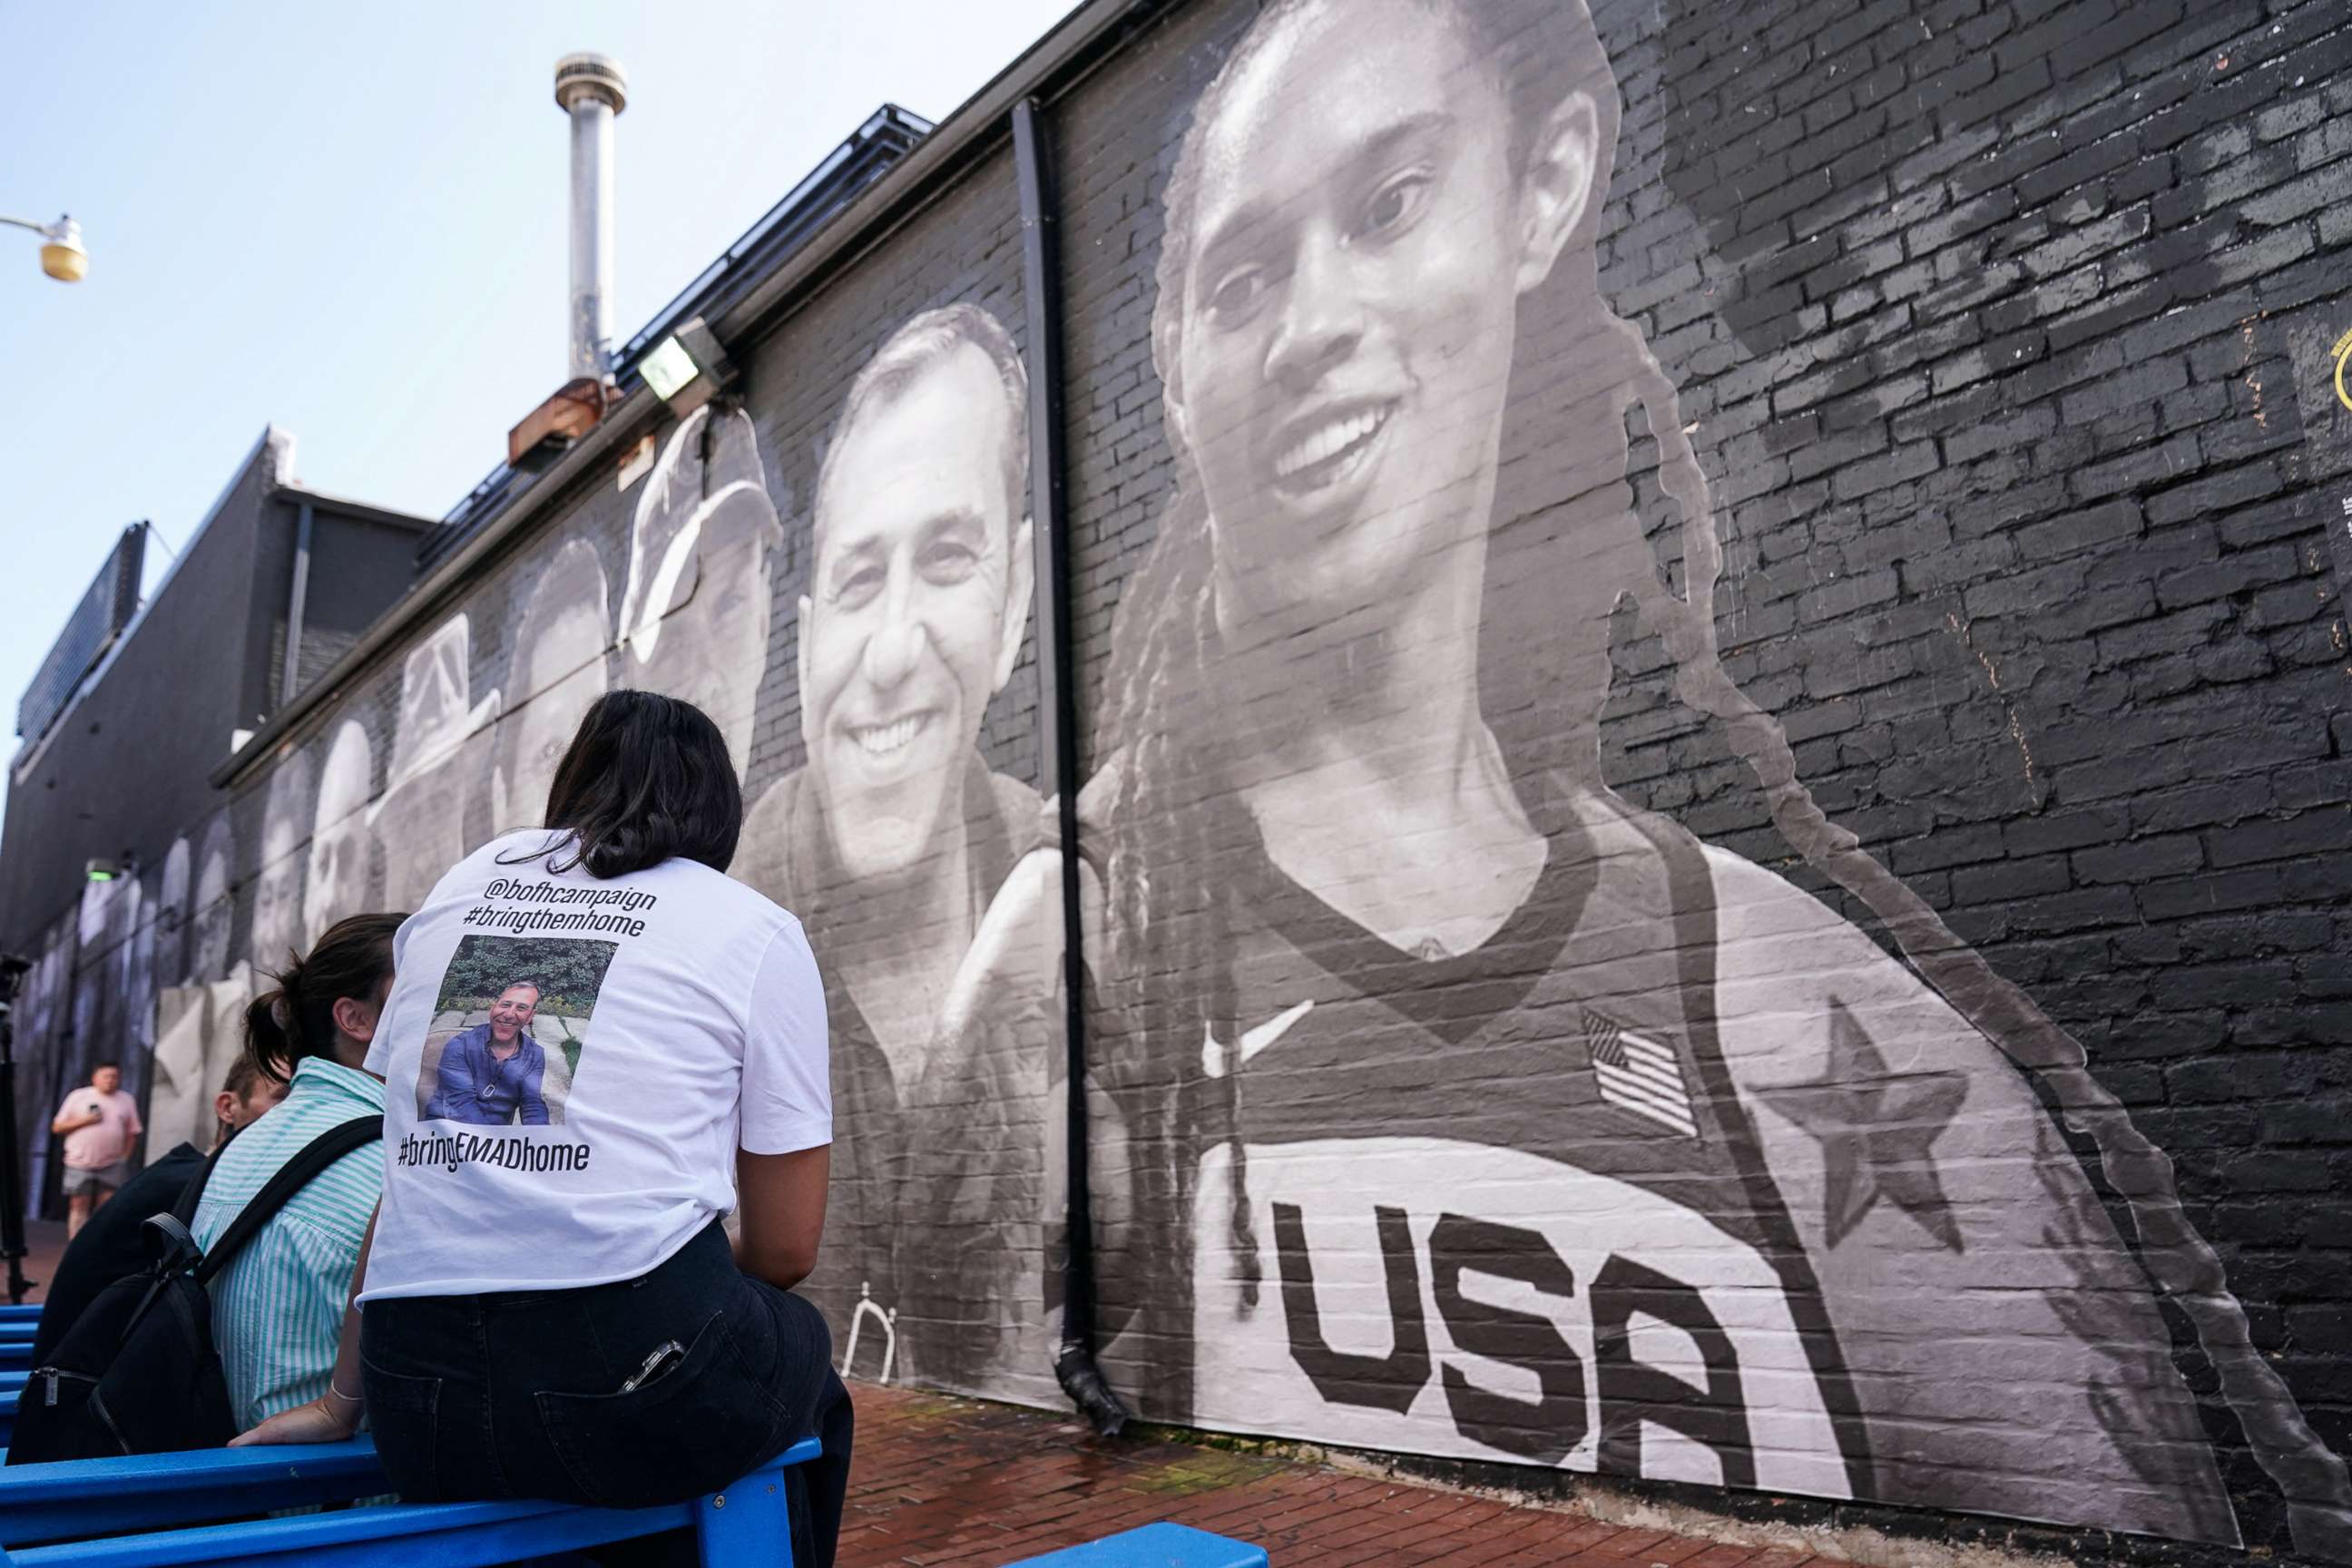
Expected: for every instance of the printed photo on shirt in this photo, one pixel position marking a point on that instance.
(507, 1027)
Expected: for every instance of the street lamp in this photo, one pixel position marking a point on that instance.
(62, 256)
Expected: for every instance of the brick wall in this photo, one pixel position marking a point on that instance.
(1639, 1125)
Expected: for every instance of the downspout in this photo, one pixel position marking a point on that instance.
(1074, 1364)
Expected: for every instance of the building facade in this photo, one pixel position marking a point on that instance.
(1708, 660)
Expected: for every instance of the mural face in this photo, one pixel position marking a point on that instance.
(696, 612)
(336, 884)
(557, 674)
(170, 924)
(1343, 339)
(439, 763)
(209, 923)
(285, 820)
(921, 592)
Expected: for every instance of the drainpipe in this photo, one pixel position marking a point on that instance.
(1075, 1366)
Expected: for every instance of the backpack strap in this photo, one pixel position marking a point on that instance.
(184, 1209)
(315, 1156)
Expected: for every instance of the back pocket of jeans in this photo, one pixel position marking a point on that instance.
(686, 1431)
(403, 1413)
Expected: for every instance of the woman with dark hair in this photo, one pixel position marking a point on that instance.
(1397, 993)
(278, 1309)
(554, 1311)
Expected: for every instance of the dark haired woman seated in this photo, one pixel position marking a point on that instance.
(552, 1309)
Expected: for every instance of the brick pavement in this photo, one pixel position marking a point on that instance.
(942, 1481)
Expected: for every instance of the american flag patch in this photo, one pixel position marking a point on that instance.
(1640, 1075)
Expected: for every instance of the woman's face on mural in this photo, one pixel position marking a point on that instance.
(910, 629)
(1347, 329)
(1358, 249)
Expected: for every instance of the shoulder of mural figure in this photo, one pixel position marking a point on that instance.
(1015, 959)
(764, 854)
(1021, 810)
(1974, 1281)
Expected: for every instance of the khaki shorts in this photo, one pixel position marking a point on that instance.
(78, 1179)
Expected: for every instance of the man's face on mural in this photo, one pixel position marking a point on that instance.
(336, 885)
(568, 654)
(171, 917)
(1357, 247)
(208, 922)
(916, 611)
(510, 1015)
(278, 892)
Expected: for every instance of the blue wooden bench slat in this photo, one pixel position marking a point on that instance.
(744, 1524)
(448, 1535)
(26, 1311)
(40, 1502)
(1161, 1545)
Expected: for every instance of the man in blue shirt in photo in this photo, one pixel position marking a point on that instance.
(490, 1075)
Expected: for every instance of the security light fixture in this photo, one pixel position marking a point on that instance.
(688, 368)
(62, 256)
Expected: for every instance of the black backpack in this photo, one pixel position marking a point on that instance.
(137, 1374)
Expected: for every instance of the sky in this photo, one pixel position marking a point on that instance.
(350, 222)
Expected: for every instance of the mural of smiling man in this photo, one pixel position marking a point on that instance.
(891, 840)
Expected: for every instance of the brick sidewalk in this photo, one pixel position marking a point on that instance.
(940, 1480)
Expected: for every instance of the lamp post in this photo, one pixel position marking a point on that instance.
(62, 256)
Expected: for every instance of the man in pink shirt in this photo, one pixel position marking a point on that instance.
(100, 1123)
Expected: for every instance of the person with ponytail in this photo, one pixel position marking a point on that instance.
(1396, 992)
(552, 1308)
(278, 1309)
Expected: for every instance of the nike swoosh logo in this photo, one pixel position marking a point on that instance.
(1214, 1055)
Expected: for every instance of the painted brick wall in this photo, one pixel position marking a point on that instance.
(1993, 346)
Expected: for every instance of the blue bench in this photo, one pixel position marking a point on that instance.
(745, 1524)
(1161, 1545)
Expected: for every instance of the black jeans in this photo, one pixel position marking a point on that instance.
(518, 1394)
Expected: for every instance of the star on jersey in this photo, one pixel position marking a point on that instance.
(1875, 1129)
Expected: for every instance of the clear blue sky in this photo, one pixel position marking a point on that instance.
(348, 221)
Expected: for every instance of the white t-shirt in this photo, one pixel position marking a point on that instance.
(570, 1064)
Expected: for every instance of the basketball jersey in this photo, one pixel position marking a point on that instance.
(1503, 1204)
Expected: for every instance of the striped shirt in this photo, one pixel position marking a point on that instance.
(277, 1309)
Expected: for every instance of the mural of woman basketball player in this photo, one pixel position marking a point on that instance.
(1507, 1119)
